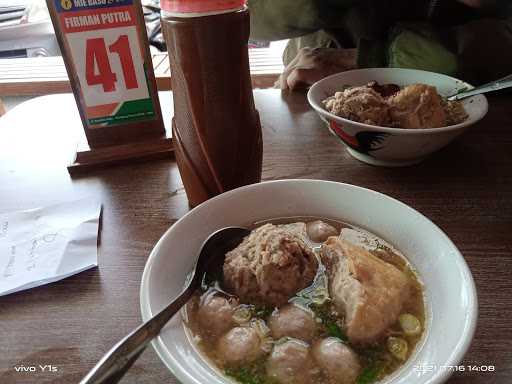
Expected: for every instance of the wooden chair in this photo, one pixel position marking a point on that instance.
(47, 75)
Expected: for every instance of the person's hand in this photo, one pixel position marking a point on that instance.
(311, 65)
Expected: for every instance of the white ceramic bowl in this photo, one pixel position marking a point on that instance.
(449, 288)
(393, 146)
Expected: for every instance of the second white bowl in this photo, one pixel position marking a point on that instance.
(393, 146)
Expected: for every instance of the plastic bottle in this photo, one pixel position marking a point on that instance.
(216, 127)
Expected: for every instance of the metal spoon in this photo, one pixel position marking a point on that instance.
(111, 368)
(495, 85)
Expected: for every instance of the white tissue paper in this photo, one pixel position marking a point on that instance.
(43, 245)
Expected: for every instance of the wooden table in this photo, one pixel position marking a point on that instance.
(466, 189)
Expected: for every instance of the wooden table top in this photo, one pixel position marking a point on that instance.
(466, 189)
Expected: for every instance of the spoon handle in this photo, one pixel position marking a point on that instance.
(504, 82)
(112, 367)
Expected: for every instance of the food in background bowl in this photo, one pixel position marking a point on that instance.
(412, 107)
(391, 146)
(309, 301)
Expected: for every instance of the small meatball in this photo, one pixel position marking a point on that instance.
(269, 266)
(215, 314)
(338, 361)
(318, 231)
(292, 321)
(290, 363)
(240, 345)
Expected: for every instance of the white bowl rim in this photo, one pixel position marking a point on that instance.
(441, 376)
(406, 131)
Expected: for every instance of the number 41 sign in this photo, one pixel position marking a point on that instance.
(106, 53)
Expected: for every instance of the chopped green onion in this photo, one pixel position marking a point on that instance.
(260, 327)
(410, 324)
(254, 374)
(242, 314)
(334, 330)
(262, 311)
(398, 347)
(368, 375)
(244, 376)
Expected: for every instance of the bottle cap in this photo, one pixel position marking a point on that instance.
(200, 6)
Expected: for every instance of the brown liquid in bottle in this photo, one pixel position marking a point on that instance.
(216, 127)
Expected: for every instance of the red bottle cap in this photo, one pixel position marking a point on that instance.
(200, 6)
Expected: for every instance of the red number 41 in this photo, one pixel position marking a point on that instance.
(96, 56)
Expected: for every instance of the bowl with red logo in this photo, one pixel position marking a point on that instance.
(387, 145)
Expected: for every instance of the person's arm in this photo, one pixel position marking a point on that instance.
(477, 51)
(414, 46)
(313, 64)
(283, 19)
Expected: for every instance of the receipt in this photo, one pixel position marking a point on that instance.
(47, 244)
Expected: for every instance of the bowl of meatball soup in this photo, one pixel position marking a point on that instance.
(335, 284)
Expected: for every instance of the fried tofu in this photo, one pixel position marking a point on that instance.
(367, 290)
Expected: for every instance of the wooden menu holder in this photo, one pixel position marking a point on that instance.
(106, 54)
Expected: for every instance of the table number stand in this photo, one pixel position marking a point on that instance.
(107, 57)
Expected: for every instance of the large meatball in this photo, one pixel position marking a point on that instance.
(290, 363)
(240, 345)
(215, 313)
(292, 321)
(337, 360)
(269, 266)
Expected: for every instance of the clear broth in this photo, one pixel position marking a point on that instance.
(376, 361)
